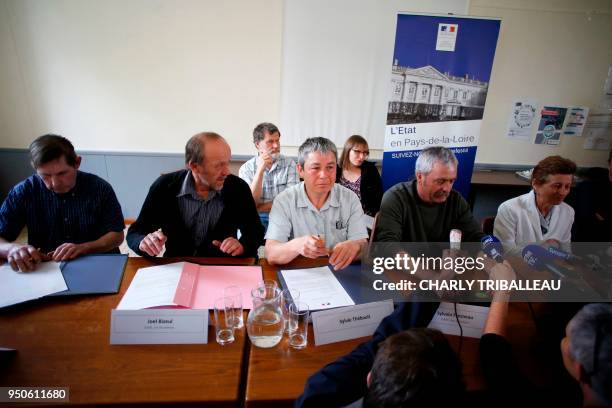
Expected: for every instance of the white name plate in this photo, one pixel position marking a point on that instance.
(472, 319)
(350, 322)
(159, 326)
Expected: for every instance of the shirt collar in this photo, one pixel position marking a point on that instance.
(549, 215)
(77, 183)
(303, 200)
(273, 166)
(72, 192)
(188, 189)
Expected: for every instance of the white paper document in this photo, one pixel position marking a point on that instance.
(20, 287)
(153, 286)
(318, 288)
(472, 319)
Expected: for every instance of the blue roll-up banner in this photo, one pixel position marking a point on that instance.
(439, 83)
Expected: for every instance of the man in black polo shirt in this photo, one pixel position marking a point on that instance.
(198, 211)
(68, 213)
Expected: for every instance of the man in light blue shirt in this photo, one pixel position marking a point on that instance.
(316, 217)
(269, 173)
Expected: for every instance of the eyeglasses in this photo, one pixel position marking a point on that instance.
(365, 153)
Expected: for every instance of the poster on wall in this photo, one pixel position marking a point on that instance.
(439, 82)
(575, 120)
(551, 122)
(522, 119)
(598, 130)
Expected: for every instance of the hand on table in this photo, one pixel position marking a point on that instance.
(24, 258)
(68, 251)
(153, 243)
(230, 246)
(311, 246)
(343, 254)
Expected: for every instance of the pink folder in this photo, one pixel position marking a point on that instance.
(200, 285)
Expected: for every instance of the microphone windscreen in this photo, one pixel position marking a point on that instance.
(535, 255)
(492, 247)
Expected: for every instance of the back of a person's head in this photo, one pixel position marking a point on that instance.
(590, 334)
(415, 368)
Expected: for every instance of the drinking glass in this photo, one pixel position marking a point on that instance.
(224, 328)
(298, 321)
(234, 294)
(287, 299)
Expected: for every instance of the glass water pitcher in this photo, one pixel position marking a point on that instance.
(265, 321)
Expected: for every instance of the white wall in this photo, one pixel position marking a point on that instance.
(144, 75)
(138, 75)
(555, 51)
(337, 58)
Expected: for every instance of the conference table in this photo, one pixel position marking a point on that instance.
(64, 342)
(276, 376)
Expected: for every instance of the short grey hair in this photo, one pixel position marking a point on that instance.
(316, 144)
(583, 334)
(429, 156)
(259, 133)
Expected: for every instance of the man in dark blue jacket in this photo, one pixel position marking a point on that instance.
(344, 380)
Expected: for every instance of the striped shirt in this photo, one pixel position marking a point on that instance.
(83, 214)
(276, 179)
(200, 215)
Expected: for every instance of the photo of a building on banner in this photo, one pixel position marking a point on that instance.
(440, 78)
(425, 94)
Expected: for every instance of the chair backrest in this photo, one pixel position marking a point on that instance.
(487, 224)
(372, 233)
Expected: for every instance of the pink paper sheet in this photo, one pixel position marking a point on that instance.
(200, 285)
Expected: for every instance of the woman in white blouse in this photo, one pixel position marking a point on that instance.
(540, 215)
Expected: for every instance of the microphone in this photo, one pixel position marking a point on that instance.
(566, 256)
(539, 258)
(492, 248)
(455, 239)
